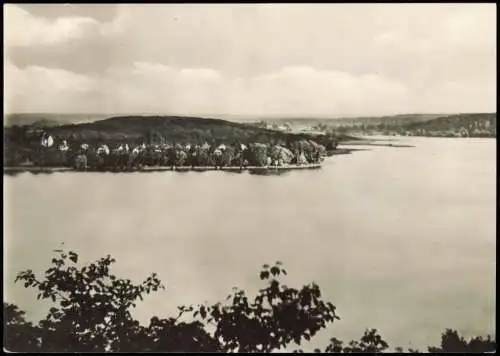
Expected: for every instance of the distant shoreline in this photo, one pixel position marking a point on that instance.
(371, 143)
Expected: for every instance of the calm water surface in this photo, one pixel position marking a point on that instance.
(400, 239)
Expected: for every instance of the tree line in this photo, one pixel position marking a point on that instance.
(122, 156)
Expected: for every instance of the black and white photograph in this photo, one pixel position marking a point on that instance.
(249, 177)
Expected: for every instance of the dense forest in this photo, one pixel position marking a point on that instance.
(92, 312)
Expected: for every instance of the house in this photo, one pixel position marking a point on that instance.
(47, 141)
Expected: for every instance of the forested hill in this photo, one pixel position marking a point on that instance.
(458, 122)
(171, 129)
(455, 125)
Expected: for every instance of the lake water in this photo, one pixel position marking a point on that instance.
(399, 239)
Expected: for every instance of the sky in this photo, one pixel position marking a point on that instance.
(288, 60)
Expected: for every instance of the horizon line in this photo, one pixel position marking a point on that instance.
(241, 116)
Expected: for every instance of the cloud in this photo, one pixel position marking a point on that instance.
(22, 29)
(261, 59)
(455, 96)
(292, 91)
(44, 90)
(99, 12)
(471, 26)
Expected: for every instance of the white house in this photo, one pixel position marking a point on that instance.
(47, 141)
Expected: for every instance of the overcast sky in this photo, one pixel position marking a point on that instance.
(322, 60)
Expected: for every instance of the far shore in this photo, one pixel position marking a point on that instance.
(373, 143)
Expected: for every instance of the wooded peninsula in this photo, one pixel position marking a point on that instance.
(134, 142)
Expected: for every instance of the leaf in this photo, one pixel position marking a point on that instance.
(264, 275)
(73, 257)
(203, 312)
(275, 271)
(53, 297)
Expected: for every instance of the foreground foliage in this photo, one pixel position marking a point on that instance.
(92, 312)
